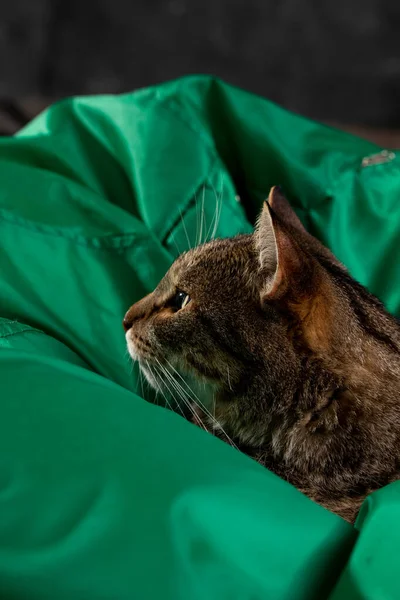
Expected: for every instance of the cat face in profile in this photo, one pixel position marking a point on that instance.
(303, 360)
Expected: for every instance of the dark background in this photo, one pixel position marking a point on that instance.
(337, 61)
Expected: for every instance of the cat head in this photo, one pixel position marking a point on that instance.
(267, 318)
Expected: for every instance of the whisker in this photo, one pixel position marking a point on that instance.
(175, 242)
(202, 217)
(217, 220)
(130, 362)
(180, 392)
(213, 220)
(178, 388)
(218, 206)
(229, 379)
(171, 381)
(214, 404)
(159, 387)
(141, 381)
(197, 221)
(185, 230)
(202, 406)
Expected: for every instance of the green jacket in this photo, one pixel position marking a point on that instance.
(102, 494)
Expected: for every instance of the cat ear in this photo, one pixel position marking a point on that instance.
(281, 260)
(282, 208)
(289, 272)
(288, 217)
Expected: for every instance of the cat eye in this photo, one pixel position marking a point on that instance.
(180, 300)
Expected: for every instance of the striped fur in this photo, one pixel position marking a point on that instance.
(304, 360)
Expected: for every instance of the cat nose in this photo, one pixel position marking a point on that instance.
(128, 320)
(126, 324)
(136, 312)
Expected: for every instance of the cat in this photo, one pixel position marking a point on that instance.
(305, 362)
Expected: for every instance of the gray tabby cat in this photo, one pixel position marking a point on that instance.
(305, 362)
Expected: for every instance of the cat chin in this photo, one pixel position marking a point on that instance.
(150, 377)
(131, 347)
(156, 383)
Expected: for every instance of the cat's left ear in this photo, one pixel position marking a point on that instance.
(283, 264)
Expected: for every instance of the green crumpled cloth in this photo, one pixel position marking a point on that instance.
(103, 495)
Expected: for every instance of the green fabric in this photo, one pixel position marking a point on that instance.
(106, 496)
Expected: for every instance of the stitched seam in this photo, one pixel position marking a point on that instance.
(96, 243)
(13, 333)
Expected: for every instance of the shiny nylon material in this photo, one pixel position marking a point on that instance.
(104, 495)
